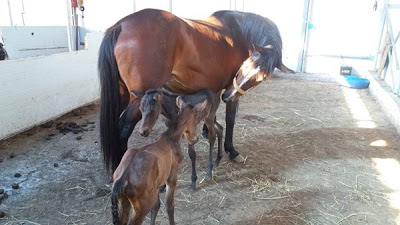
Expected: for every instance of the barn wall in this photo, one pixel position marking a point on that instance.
(341, 32)
(28, 41)
(38, 89)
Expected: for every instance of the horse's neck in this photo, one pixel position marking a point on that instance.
(169, 108)
(175, 131)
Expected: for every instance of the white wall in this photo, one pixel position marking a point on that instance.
(28, 41)
(33, 13)
(37, 89)
(340, 32)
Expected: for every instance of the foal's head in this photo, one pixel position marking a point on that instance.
(150, 107)
(188, 112)
(261, 63)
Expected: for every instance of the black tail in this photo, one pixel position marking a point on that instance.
(110, 99)
(116, 192)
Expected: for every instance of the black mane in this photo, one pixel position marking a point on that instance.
(250, 28)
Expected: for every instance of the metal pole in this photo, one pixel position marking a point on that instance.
(380, 38)
(9, 12)
(23, 12)
(305, 34)
(68, 9)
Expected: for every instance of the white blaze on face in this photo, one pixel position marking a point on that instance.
(250, 73)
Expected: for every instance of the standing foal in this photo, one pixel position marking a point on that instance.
(142, 171)
(156, 101)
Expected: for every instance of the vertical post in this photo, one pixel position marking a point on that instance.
(383, 21)
(9, 12)
(305, 34)
(134, 6)
(68, 10)
(170, 6)
(76, 30)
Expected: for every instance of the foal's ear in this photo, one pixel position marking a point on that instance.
(179, 102)
(262, 49)
(138, 94)
(200, 106)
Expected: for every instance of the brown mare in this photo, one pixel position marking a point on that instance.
(153, 49)
(159, 101)
(142, 171)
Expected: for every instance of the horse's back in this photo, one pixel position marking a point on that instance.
(145, 48)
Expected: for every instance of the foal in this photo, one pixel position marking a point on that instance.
(142, 171)
(156, 101)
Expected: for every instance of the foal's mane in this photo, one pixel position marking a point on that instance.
(254, 29)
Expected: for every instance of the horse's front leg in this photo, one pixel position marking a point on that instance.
(127, 122)
(231, 110)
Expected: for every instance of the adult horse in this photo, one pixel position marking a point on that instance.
(153, 49)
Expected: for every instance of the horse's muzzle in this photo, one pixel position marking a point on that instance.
(228, 96)
(144, 133)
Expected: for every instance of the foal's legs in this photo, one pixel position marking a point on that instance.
(192, 156)
(231, 109)
(219, 130)
(154, 210)
(125, 210)
(211, 140)
(169, 203)
(144, 206)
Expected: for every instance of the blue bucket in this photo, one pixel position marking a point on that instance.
(354, 82)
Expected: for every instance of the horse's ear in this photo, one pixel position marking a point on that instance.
(262, 49)
(179, 102)
(158, 97)
(200, 106)
(138, 94)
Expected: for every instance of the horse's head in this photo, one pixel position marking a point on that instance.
(190, 119)
(260, 65)
(150, 107)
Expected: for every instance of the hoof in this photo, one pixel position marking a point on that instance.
(192, 187)
(216, 162)
(238, 159)
(208, 177)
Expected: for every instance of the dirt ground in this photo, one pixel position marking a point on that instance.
(316, 153)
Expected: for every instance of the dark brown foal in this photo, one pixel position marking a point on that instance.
(142, 171)
(156, 101)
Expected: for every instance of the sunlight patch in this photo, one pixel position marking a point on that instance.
(379, 143)
(358, 109)
(389, 170)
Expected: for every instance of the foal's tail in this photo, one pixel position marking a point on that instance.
(110, 99)
(116, 192)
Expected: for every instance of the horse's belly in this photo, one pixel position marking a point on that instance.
(193, 82)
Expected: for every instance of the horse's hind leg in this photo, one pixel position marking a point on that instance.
(192, 156)
(128, 120)
(219, 130)
(231, 109)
